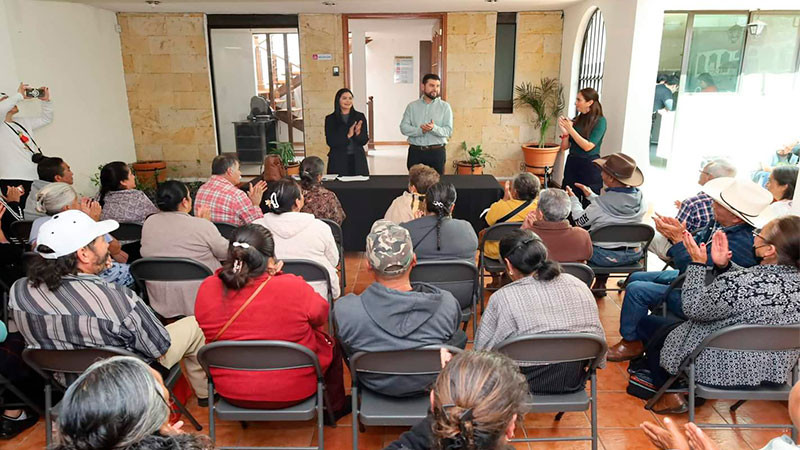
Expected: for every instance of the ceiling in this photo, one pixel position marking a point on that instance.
(316, 6)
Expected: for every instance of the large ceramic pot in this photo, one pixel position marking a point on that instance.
(293, 168)
(150, 173)
(540, 160)
(467, 168)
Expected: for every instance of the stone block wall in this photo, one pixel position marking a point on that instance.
(470, 83)
(165, 60)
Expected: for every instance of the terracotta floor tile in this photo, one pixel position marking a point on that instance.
(732, 440)
(759, 438)
(613, 378)
(754, 411)
(341, 438)
(703, 414)
(390, 434)
(561, 445)
(624, 438)
(569, 420)
(620, 410)
(297, 434)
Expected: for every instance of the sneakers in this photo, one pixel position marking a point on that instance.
(10, 428)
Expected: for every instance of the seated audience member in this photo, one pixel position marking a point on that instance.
(391, 314)
(256, 301)
(764, 294)
(175, 233)
(671, 436)
(476, 402)
(436, 235)
(519, 201)
(125, 392)
(118, 196)
(320, 202)
(59, 197)
(300, 235)
(50, 170)
(228, 203)
(784, 156)
(63, 303)
(695, 212)
(621, 202)
(11, 202)
(18, 373)
(736, 203)
(409, 206)
(565, 243)
(781, 184)
(540, 299)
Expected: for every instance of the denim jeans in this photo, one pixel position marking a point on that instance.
(646, 290)
(611, 258)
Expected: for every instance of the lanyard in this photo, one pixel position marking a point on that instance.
(15, 214)
(24, 138)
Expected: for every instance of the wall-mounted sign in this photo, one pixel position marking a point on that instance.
(403, 69)
(322, 57)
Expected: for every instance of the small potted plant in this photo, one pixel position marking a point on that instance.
(547, 102)
(475, 162)
(285, 151)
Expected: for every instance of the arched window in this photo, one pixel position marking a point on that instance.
(593, 53)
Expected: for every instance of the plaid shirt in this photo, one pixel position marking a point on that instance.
(696, 211)
(228, 203)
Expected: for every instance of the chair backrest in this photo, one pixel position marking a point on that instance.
(554, 348)
(633, 233)
(225, 229)
(336, 230)
(310, 271)
(74, 361)
(754, 338)
(419, 361)
(21, 230)
(579, 271)
(257, 356)
(128, 231)
(460, 278)
(496, 232)
(166, 269)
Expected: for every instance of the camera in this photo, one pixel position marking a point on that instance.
(34, 92)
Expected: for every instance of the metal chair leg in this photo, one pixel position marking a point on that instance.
(354, 419)
(691, 392)
(559, 415)
(594, 410)
(172, 379)
(736, 405)
(211, 405)
(321, 392)
(48, 420)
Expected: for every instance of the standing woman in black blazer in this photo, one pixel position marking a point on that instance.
(346, 134)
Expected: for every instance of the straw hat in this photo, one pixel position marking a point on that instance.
(622, 167)
(745, 199)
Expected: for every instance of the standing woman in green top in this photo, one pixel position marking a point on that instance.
(583, 137)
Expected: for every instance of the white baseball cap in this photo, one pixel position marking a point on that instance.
(69, 231)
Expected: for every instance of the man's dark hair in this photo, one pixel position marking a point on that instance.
(660, 78)
(430, 76)
(50, 271)
(223, 162)
(49, 167)
(672, 80)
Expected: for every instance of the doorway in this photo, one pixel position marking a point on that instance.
(388, 55)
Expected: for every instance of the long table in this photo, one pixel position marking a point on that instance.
(367, 201)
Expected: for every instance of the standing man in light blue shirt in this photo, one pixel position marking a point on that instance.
(428, 123)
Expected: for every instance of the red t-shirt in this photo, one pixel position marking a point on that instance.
(286, 309)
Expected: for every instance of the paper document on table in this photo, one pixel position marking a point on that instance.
(353, 178)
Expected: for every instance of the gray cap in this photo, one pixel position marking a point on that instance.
(389, 248)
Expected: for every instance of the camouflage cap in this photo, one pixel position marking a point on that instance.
(389, 248)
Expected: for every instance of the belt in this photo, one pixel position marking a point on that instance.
(619, 249)
(427, 147)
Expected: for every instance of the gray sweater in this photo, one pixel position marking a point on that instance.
(614, 206)
(383, 319)
(457, 239)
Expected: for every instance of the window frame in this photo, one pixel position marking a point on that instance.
(597, 49)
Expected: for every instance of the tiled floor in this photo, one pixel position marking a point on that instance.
(619, 414)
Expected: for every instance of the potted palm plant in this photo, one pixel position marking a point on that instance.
(476, 160)
(285, 150)
(547, 102)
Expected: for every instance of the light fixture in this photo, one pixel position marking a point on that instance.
(756, 28)
(329, 3)
(153, 3)
(491, 1)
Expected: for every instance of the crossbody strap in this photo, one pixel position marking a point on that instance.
(240, 310)
(514, 212)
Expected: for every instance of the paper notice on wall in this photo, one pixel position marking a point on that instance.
(403, 69)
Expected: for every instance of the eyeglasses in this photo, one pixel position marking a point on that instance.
(757, 233)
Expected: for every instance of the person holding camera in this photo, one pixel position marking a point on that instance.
(19, 152)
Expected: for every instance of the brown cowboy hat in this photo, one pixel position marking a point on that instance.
(622, 167)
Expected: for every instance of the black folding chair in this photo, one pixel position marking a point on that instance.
(166, 269)
(312, 271)
(261, 356)
(49, 362)
(633, 235)
(754, 338)
(460, 278)
(225, 229)
(371, 408)
(128, 231)
(493, 233)
(579, 271)
(21, 232)
(338, 236)
(553, 349)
